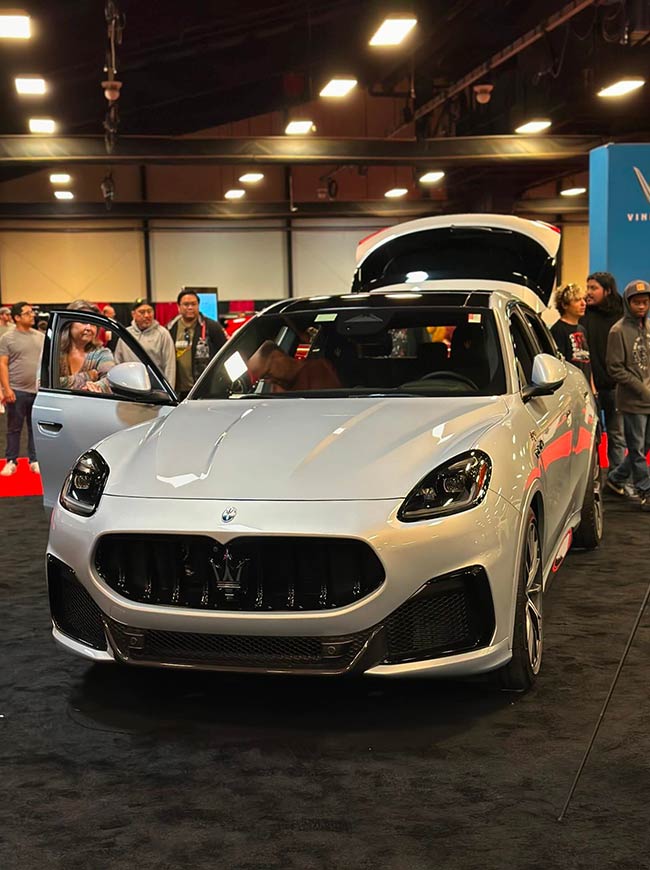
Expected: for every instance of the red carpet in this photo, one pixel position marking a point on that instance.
(23, 482)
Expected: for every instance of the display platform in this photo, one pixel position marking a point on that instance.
(23, 482)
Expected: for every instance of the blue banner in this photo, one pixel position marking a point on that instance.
(619, 212)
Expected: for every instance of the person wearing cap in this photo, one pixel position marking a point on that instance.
(628, 363)
(6, 323)
(154, 338)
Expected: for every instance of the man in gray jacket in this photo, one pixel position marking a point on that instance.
(154, 338)
(628, 363)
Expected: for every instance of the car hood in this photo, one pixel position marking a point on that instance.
(295, 449)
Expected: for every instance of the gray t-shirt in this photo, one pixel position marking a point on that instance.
(24, 351)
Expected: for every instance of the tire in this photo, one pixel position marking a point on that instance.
(589, 533)
(528, 632)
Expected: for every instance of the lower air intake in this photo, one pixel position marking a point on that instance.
(334, 654)
(73, 610)
(451, 614)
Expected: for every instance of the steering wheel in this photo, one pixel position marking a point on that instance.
(435, 376)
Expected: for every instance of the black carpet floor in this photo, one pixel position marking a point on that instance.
(105, 767)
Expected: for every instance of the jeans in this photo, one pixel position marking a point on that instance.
(637, 436)
(17, 413)
(613, 427)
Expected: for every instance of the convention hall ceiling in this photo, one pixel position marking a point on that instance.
(241, 70)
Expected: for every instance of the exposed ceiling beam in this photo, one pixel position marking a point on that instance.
(222, 211)
(219, 210)
(553, 205)
(77, 150)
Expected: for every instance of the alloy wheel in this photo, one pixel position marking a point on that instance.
(598, 498)
(533, 605)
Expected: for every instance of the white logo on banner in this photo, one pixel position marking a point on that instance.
(645, 189)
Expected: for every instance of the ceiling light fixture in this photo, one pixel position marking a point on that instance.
(41, 125)
(60, 178)
(338, 87)
(431, 177)
(235, 193)
(14, 25)
(622, 87)
(573, 191)
(393, 31)
(64, 194)
(299, 128)
(536, 126)
(251, 177)
(28, 85)
(396, 192)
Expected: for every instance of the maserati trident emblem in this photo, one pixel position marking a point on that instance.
(228, 577)
(229, 514)
(645, 187)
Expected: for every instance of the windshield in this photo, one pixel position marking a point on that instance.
(360, 351)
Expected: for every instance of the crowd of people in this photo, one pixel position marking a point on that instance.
(608, 337)
(604, 334)
(182, 351)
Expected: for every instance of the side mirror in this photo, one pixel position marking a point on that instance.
(131, 380)
(549, 373)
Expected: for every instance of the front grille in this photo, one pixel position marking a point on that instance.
(451, 614)
(73, 610)
(333, 654)
(247, 574)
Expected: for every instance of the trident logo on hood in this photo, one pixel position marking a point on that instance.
(645, 187)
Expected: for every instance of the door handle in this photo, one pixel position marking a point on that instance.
(49, 428)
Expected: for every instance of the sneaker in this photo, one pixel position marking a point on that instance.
(631, 493)
(616, 488)
(645, 503)
(10, 468)
(35, 467)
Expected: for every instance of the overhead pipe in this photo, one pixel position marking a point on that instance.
(532, 36)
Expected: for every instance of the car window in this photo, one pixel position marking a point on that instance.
(80, 360)
(541, 332)
(360, 350)
(525, 347)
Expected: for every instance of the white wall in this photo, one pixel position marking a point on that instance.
(323, 253)
(243, 263)
(575, 254)
(55, 265)
(244, 260)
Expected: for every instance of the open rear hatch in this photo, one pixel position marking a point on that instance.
(499, 248)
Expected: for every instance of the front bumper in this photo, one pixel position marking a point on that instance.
(437, 574)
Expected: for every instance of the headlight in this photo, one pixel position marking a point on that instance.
(84, 485)
(456, 486)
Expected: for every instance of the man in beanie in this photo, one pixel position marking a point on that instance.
(628, 363)
(153, 337)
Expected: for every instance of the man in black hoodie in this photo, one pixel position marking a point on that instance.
(604, 308)
(628, 363)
